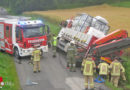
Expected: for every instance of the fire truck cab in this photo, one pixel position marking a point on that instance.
(18, 36)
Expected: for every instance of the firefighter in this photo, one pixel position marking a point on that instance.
(36, 54)
(103, 69)
(54, 45)
(71, 53)
(116, 69)
(49, 39)
(88, 72)
(82, 65)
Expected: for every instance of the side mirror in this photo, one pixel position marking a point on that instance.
(47, 30)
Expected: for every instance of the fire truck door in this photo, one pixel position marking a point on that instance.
(8, 38)
(2, 44)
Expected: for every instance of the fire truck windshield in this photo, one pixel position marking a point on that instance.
(33, 32)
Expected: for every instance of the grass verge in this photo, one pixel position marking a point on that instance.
(8, 73)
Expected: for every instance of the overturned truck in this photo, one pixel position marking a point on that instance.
(91, 36)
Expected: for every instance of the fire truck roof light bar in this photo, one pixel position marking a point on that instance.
(30, 22)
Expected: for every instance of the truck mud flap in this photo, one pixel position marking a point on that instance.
(111, 47)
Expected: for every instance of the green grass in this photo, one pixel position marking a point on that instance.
(122, 4)
(54, 28)
(8, 72)
(127, 68)
(110, 85)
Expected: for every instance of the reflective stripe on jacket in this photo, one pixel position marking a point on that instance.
(71, 51)
(103, 67)
(54, 41)
(89, 66)
(36, 55)
(116, 68)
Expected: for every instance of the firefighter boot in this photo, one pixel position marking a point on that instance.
(34, 71)
(39, 70)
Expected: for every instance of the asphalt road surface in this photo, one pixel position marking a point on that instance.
(53, 75)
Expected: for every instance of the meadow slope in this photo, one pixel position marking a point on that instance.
(118, 17)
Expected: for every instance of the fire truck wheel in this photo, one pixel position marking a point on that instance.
(16, 53)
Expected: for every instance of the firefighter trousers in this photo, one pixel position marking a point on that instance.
(36, 65)
(114, 80)
(123, 75)
(72, 63)
(90, 80)
(54, 50)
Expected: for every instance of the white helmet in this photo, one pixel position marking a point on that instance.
(72, 42)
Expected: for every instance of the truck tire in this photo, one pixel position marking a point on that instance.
(16, 53)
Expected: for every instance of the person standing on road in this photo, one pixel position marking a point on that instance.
(36, 55)
(71, 53)
(88, 72)
(49, 39)
(54, 45)
(116, 69)
(103, 69)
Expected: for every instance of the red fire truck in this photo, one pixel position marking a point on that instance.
(18, 35)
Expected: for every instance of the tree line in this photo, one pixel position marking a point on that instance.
(19, 6)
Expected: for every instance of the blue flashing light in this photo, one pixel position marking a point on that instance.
(34, 23)
(21, 23)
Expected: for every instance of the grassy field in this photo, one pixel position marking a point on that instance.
(122, 4)
(118, 17)
(8, 73)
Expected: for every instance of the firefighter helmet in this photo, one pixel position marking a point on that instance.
(72, 42)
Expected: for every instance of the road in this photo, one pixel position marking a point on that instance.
(53, 75)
